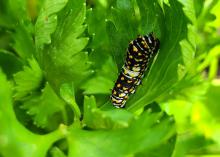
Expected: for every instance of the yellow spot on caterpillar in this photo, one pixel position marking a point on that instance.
(136, 69)
(122, 95)
(114, 92)
(122, 78)
(113, 99)
(135, 49)
(125, 71)
(130, 56)
(123, 101)
(131, 90)
(128, 67)
(139, 54)
(138, 60)
(132, 75)
(129, 81)
(118, 101)
(146, 45)
(118, 85)
(125, 88)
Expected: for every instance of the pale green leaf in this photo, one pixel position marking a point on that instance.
(47, 22)
(148, 132)
(65, 59)
(28, 80)
(103, 80)
(97, 119)
(15, 139)
(44, 106)
(56, 152)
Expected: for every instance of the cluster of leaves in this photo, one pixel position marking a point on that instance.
(195, 114)
(58, 66)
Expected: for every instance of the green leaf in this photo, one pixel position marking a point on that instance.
(23, 43)
(47, 22)
(193, 144)
(44, 106)
(185, 87)
(5, 97)
(100, 49)
(67, 93)
(18, 9)
(15, 20)
(199, 5)
(103, 81)
(56, 152)
(28, 80)
(166, 149)
(144, 134)
(13, 135)
(105, 67)
(96, 15)
(212, 97)
(5, 38)
(9, 63)
(65, 59)
(207, 24)
(121, 28)
(97, 119)
(13, 12)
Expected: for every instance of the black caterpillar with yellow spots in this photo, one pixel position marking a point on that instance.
(139, 54)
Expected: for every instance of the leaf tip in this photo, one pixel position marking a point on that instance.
(63, 129)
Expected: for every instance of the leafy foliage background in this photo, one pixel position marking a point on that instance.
(59, 60)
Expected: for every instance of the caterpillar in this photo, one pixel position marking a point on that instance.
(139, 54)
